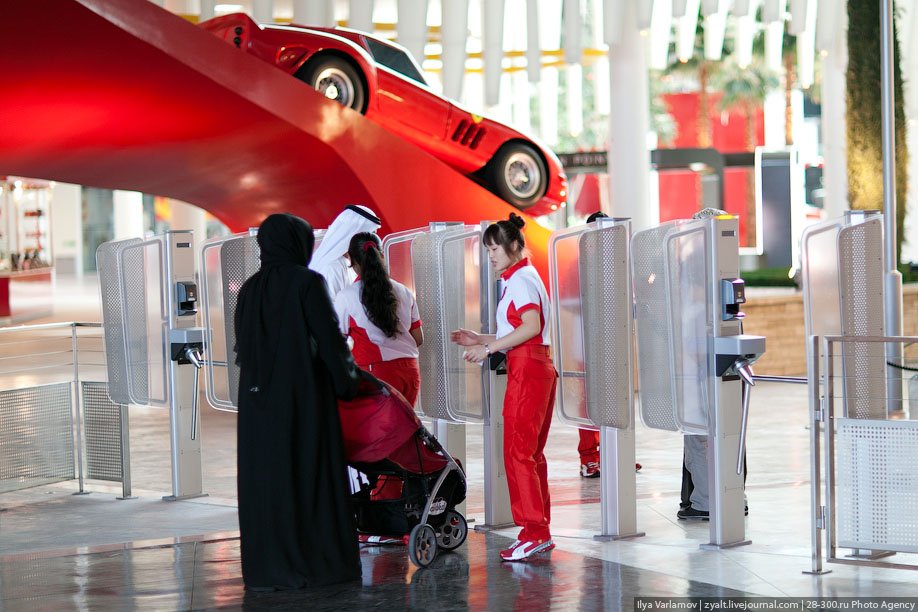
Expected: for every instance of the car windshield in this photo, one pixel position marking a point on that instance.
(394, 59)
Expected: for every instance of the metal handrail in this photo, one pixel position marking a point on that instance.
(823, 416)
(76, 390)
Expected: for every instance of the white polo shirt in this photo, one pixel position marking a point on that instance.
(522, 290)
(370, 344)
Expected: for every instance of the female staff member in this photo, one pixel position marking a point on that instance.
(381, 317)
(522, 331)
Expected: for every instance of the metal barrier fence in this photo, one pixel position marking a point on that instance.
(870, 459)
(57, 422)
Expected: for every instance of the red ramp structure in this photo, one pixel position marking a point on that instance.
(122, 94)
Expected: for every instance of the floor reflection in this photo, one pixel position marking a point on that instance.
(206, 575)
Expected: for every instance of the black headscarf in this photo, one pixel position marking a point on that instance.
(286, 243)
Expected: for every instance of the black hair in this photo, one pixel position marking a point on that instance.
(506, 234)
(377, 296)
(597, 215)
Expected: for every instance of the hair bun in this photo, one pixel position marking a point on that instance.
(516, 220)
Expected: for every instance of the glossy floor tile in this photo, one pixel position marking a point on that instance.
(60, 551)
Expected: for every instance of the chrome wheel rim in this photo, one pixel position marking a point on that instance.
(523, 175)
(335, 85)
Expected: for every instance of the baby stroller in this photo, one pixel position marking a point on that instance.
(385, 440)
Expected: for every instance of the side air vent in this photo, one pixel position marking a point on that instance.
(468, 134)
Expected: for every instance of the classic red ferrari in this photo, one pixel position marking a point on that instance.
(382, 81)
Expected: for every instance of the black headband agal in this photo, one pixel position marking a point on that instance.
(366, 215)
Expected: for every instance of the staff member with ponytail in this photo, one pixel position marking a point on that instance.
(381, 316)
(522, 331)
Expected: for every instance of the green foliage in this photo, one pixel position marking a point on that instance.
(768, 277)
(864, 115)
(744, 88)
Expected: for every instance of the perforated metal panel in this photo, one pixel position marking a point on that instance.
(861, 275)
(877, 484)
(113, 324)
(605, 291)
(671, 320)
(567, 326)
(239, 260)
(36, 436)
(447, 279)
(652, 327)
(819, 273)
(101, 433)
(135, 320)
(688, 281)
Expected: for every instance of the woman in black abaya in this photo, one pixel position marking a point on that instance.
(296, 527)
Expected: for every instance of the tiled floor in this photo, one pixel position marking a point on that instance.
(94, 552)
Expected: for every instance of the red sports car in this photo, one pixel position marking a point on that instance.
(382, 81)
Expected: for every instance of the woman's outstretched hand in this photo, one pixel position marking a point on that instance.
(465, 337)
(476, 354)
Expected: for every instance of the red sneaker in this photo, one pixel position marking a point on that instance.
(524, 550)
(589, 470)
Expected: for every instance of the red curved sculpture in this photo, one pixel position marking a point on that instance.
(125, 95)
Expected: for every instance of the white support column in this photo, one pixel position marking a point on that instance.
(661, 25)
(263, 11)
(67, 228)
(686, 27)
(533, 42)
(189, 217)
(207, 9)
(572, 23)
(834, 53)
(492, 27)
(715, 26)
(774, 33)
(575, 99)
(360, 16)
(806, 45)
(549, 91)
(454, 33)
(314, 12)
(745, 28)
(411, 28)
(128, 211)
(629, 159)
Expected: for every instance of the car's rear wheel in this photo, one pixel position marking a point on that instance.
(518, 175)
(336, 79)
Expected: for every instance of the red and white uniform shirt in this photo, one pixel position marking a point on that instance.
(523, 290)
(370, 344)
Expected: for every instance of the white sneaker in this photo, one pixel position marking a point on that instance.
(523, 550)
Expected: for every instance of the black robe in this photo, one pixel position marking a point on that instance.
(296, 526)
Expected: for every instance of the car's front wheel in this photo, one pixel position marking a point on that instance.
(336, 79)
(518, 175)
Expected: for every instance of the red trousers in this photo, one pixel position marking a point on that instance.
(403, 374)
(528, 404)
(589, 446)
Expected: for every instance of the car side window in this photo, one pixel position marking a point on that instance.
(394, 59)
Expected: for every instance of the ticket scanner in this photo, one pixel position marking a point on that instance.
(694, 362)
(153, 347)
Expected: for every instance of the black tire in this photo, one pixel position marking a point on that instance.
(422, 545)
(518, 175)
(336, 79)
(453, 531)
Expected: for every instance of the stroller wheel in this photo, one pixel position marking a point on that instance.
(453, 531)
(422, 545)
